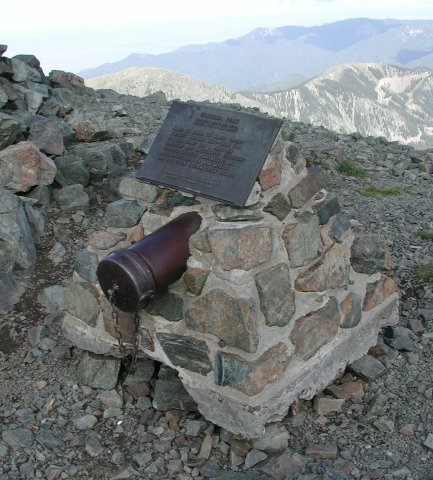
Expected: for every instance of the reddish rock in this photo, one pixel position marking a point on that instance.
(23, 166)
(378, 292)
(242, 248)
(59, 78)
(194, 279)
(352, 390)
(325, 405)
(426, 167)
(47, 136)
(351, 308)
(270, 176)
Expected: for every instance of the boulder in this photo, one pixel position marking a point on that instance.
(23, 166)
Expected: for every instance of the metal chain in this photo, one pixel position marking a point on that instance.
(127, 362)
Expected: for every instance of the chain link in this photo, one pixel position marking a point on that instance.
(129, 361)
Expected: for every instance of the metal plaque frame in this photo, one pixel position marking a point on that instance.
(208, 151)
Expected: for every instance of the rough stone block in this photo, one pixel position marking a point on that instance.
(124, 213)
(195, 279)
(186, 352)
(166, 304)
(23, 166)
(351, 308)
(331, 271)
(87, 307)
(47, 135)
(73, 197)
(328, 209)
(97, 371)
(270, 176)
(325, 405)
(378, 292)
(368, 368)
(370, 253)
(302, 240)
(227, 213)
(322, 451)
(171, 394)
(307, 187)
(315, 329)
(278, 206)
(277, 297)
(295, 157)
(251, 377)
(133, 188)
(243, 248)
(233, 320)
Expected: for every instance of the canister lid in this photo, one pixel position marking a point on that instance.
(125, 279)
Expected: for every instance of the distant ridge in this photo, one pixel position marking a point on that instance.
(371, 99)
(142, 81)
(268, 56)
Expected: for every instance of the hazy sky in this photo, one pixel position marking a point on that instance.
(76, 35)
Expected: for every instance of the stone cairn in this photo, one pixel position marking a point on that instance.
(276, 301)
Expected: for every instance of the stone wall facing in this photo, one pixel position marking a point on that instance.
(277, 298)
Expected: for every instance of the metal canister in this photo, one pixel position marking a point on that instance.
(129, 277)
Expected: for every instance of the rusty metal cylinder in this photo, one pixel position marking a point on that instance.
(130, 276)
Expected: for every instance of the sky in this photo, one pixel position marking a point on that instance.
(82, 34)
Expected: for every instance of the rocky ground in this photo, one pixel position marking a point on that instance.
(374, 422)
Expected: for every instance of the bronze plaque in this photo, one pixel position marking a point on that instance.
(213, 152)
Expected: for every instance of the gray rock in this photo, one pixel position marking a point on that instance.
(399, 338)
(11, 291)
(18, 251)
(315, 329)
(368, 368)
(73, 197)
(226, 213)
(3, 49)
(307, 187)
(302, 240)
(384, 425)
(93, 446)
(251, 377)
(118, 457)
(295, 157)
(328, 209)
(428, 442)
(81, 301)
(33, 100)
(36, 334)
(254, 457)
(73, 168)
(48, 440)
(124, 213)
(279, 206)
(275, 439)
(53, 472)
(18, 438)
(277, 297)
(339, 225)
(231, 319)
(166, 304)
(52, 298)
(97, 371)
(186, 352)
(86, 422)
(370, 253)
(10, 129)
(85, 265)
(47, 135)
(142, 458)
(171, 394)
(22, 72)
(4, 450)
(131, 187)
(351, 308)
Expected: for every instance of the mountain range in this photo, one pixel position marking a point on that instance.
(371, 99)
(286, 55)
